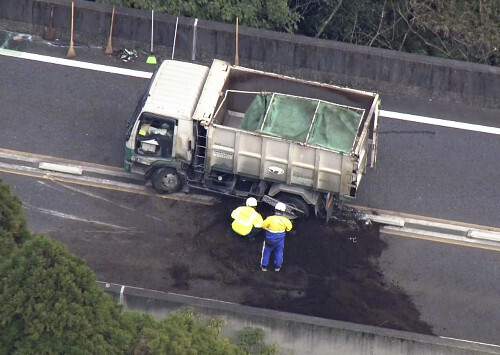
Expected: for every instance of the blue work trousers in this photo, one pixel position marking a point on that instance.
(277, 249)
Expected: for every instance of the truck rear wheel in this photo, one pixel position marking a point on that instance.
(295, 201)
(166, 181)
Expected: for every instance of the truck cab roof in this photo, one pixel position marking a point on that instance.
(175, 89)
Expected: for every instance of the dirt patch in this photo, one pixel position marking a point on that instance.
(328, 272)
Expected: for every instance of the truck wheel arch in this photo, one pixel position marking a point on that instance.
(309, 196)
(303, 199)
(295, 201)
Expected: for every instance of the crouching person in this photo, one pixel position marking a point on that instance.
(247, 221)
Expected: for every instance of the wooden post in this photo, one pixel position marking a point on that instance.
(236, 56)
(71, 50)
(109, 48)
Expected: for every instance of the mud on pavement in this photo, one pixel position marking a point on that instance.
(329, 270)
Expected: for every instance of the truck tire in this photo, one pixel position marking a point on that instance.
(166, 181)
(295, 201)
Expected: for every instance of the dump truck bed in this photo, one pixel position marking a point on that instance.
(326, 156)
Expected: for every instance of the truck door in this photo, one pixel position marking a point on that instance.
(155, 136)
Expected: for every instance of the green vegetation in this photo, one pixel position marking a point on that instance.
(50, 303)
(251, 341)
(269, 14)
(182, 333)
(13, 227)
(458, 29)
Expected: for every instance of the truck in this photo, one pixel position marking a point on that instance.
(248, 133)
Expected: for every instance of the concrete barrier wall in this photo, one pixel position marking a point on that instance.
(316, 59)
(296, 334)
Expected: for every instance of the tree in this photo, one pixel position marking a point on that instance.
(13, 227)
(340, 20)
(461, 29)
(182, 333)
(251, 341)
(50, 303)
(269, 14)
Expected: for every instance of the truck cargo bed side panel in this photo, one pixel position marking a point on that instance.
(277, 160)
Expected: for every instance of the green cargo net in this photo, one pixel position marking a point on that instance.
(304, 120)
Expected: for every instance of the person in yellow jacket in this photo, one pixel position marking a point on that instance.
(247, 221)
(276, 227)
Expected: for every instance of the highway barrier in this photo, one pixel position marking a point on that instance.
(295, 333)
(315, 59)
(437, 230)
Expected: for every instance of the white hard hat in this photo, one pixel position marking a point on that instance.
(280, 206)
(251, 202)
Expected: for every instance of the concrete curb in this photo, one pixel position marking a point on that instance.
(88, 174)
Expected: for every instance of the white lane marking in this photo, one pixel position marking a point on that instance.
(74, 189)
(99, 231)
(73, 217)
(101, 198)
(470, 341)
(76, 64)
(439, 122)
(50, 187)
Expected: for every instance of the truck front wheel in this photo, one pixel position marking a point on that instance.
(166, 181)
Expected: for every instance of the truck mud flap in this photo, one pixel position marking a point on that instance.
(330, 206)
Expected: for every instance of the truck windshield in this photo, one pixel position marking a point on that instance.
(155, 136)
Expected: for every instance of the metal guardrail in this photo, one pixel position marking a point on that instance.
(444, 231)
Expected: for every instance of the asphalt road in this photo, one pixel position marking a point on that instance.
(434, 171)
(455, 288)
(66, 112)
(422, 169)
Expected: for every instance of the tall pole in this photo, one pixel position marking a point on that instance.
(109, 48)
(236, 56)
(152, 25)
(71, 50)
(175, 37)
